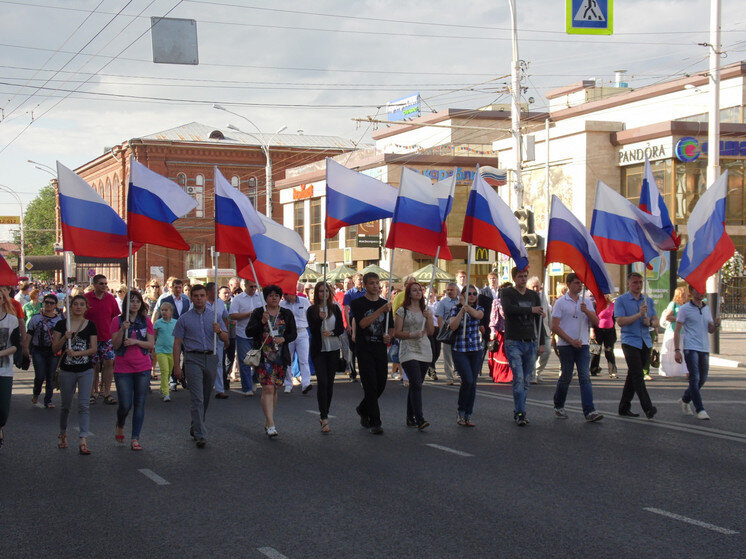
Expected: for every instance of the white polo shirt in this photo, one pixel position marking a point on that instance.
(572, 318)
(241, 303)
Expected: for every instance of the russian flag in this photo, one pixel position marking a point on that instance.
(353, 198)
(651, 202)
(7, 275)
(708, 246)
(153, 204)
(489, 222)
(616, 229)
(494, 176)
(236, 220)
(281, 257)
(444, 190)
(569, 242)
(416, 224)
(90, 227)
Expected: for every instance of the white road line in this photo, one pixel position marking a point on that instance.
(153, 476)
(699, 523)
(451, 450)
(613, 416)
(272, 553)
(319, 413)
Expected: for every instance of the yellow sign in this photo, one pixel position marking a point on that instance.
(29, 265)
(10, 220)
(481, 254)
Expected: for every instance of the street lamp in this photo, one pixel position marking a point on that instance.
(23, 237)
(265, 149)
(43, 167)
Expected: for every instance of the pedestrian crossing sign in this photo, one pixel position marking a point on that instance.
(590, 17)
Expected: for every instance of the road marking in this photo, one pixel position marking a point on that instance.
(699, 523)
(153, 476)
(272, 553)
(613, 416)
(319, 413)
(451, 450)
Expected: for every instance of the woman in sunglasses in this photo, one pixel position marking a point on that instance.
(467, 350)
(45, 361)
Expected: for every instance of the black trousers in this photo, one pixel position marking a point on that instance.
(372, 362)
(635, 383)
(435, 346)
(415, 371)
(229, 356)
(607, 338)
(325, 364)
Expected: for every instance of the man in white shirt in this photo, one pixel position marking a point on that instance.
(241, 307)
(571, 321)
(222, 317)
(300, 346)
(492, 289)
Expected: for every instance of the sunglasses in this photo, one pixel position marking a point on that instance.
(50, 302)
(472, 294)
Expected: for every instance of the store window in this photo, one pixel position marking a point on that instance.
(691, 182)
(632, 181)
(195, 258)
(315, 224)
(298, 221)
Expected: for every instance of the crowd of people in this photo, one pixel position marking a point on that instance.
(199, 337)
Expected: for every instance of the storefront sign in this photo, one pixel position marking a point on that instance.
(10, 219)
(481, 254)
(404, 108)
(369, 234)
(689, 149)
(637, 154)
(463, 176)
(303, 192)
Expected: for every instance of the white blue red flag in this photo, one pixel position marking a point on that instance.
(7, 275)
(444, 190)
(353, 198)
(236, 220)
(569, 242)
(153, 204)
(416, 224)
(708, 246)
(617, 231)
(490, 223)
(494, 176)
(90, 227)
(651, 202)
(281, 257)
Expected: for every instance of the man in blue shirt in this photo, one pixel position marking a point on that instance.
(442, 314)
(635, 314)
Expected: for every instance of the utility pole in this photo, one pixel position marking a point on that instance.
(515, 112)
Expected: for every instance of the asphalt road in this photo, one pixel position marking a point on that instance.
(672, 487)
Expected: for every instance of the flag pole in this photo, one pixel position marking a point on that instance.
(468, 281)
(258, 287)
(215, 256)
(129, 282)
(326, 266)
(391, 276)
(580, 322)
(67, 294)
(432, 276)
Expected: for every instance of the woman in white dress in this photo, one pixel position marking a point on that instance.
(669, 367)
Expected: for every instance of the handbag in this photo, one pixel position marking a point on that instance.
(594, 347)
(445, 335)
(493, 345)
(655, 359)
(254, 356)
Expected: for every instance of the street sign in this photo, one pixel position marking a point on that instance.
(10, 219)
(29, 265)
(590, 17)
(556, 269)
(91, 272)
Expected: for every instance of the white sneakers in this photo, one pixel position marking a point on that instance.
(702, 415)
(166, 398)
(288, 389)
(686, 408)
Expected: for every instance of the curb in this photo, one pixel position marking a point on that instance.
(714, 361)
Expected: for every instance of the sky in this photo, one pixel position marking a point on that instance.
(77, 76)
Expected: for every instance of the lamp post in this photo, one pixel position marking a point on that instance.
(265, 149)
(23, 235)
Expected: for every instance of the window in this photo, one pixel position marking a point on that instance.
(182, 180)
(199, 195)
(195, 258)
(253, 191)
(235, 182)
(298, 220)
(351, 236)
(315, 224)
(662, 171)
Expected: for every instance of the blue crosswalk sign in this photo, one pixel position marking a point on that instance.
(590, 17)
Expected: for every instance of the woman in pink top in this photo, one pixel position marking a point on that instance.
(133, 340)
(605, 335)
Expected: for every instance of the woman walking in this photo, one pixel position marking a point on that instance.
(669, 367)
(33, 307)
(412, 326)
(164, 347)
(605, 336)
(326, 326)
(272, 328)
(467, 350)
(133, 339)
(497, 358)
(45, 361)
(78, 345)
(10, 341)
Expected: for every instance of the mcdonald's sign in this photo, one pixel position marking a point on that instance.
(481, 254)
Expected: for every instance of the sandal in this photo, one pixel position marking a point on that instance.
(83, 449)
(63, 440)
(135, 445)
(110, 400)
(117, 437)
(325, 426)
(49, 406)
(461, 421)
(92, 400)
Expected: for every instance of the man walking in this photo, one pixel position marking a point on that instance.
(635, 313)
(442, 314)
(229, 353)
(216, 304)
(102, 308)
(194, 332)
(534, 283)
(371, 337)
(355, 292)
(571, 322)
(241, 307)
(523, 328)
(179, 301)
(299, 307)
(695, 320)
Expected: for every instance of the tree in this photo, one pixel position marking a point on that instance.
(38, 226)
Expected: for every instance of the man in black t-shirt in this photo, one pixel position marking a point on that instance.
(370, 314)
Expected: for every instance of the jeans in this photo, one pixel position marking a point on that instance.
(415, 371)
(467, 365)
(6, 389)
(132, 389)
(570, 357)
(44, 367)
(84, 382)
(325, 363)
(635, 383)
(200, 371)
(698, 365)
(373, 365)
(243, 346)
(522, 360)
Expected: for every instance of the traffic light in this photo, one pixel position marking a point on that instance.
(526, 221)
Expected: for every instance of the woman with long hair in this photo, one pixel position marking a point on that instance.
(272, 328)
(669, 367)
(605, 336)
(412, 326)
(467, 350)
(10, 341)
(45, 360)
(78, 344)
(326, 326)
(132, 339)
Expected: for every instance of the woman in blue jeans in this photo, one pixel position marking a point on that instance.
(133, 339)
(45, 361)
(467, 350)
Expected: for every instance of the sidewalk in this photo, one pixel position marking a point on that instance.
(732, 349)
